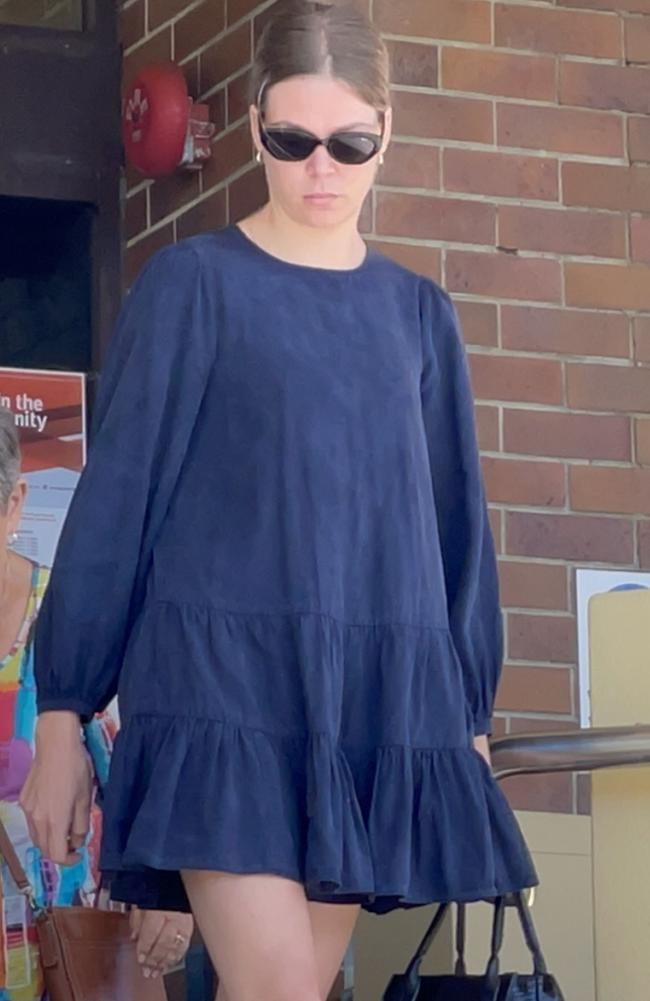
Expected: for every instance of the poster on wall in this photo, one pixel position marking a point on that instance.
(588, 584)
(50, 413)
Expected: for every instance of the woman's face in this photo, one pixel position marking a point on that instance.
(319, 191)
(11, 514)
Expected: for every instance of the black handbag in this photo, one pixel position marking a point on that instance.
(539, 985)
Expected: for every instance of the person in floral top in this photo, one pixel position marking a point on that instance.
(163, 937)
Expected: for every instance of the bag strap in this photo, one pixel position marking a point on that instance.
(498, 930)
(18, 874)
(530, 934)
(412, 974)
(460, 969)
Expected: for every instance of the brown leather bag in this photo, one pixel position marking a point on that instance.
(86, 953)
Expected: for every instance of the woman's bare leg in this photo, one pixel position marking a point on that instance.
(265, 940)
(257, 930)
(332, 927)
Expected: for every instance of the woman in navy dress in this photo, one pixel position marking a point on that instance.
(279, 557)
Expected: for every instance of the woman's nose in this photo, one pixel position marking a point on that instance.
(320, 162)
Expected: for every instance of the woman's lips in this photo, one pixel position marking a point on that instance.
(321, 198)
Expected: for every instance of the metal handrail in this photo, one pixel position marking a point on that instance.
(573, 751)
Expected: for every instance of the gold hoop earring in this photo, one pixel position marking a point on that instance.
(258, 157)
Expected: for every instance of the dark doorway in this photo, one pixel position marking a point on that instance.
(45, 284)
(60, 170)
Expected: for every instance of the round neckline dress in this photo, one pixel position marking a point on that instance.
(279, 557)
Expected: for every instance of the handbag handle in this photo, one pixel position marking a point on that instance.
(412, 974)
(18, 874)
(498, 929)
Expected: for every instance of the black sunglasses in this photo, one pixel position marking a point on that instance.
(350, 148)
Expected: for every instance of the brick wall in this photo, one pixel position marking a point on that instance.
(520, 178)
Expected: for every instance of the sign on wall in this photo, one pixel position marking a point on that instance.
(50, 413)
(588, 584)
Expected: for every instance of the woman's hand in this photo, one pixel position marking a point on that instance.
(57, 795)
(163, 938)
(481, 744)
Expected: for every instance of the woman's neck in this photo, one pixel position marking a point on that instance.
(338, 248)
(15, 589)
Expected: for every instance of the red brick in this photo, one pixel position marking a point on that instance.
(565, 331)
(503, 276)
(230, 152)
(535, 689)
(436, 116)
(413, 64)
(637, 40)
(216, 102)
(642, 435)
(641, 329)
(157, 49)
(411, 165)
(579, 538)
(644, 545)
(608, 286)
(496, 520)
(237, 9)
(583, 794)
(617, 88)
(543, 30)
(479, 322)
(567, 436)
(367, 215)
(518, 482)
(487, 428)
(422, 260)
(562, 231)
(562, 130)
(526, 380)
(225, 57)
(238, 97)
(460, 20)
(610, 490)
(431, 218)
(135, 214)
(132, 24)
(191, 73)
(161, 11)
(208, 214)
(608, 387)
(639, 139)
(548, 724)
(499, 726)
(197, 27)
(533, 585)
(640, 238)
(484, 71)
(169, 194)
(550, 638)
(482, 173)
(540, 793)
(603, 186)
(629, 6)
(247, 194)
(137, 255)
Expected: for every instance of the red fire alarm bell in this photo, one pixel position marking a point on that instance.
(162, 128)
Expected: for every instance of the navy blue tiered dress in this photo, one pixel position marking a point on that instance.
(279, 556)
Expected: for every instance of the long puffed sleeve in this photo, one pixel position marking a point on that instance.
(156, 374)
(466, 540)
